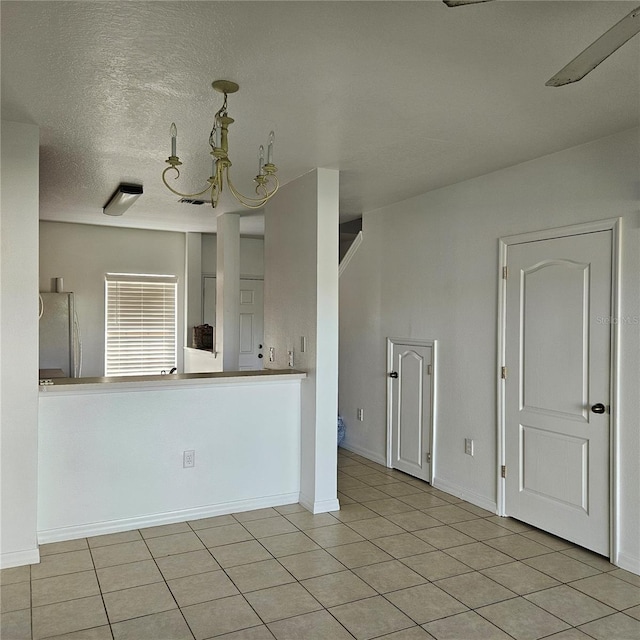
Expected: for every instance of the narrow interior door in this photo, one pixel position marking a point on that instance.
(411, 409)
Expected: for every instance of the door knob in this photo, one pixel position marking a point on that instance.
(393, 374)
(598, 408)
(260, 355)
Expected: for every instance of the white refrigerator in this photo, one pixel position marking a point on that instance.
(59, 336)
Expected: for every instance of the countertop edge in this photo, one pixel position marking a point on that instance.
(122, 384)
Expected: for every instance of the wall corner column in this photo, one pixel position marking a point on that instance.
(227, 330)
(19, 345)
(301, 307)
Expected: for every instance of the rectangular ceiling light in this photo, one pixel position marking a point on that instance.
(124, 196)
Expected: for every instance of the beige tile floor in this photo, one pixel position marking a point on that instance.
(400, 561)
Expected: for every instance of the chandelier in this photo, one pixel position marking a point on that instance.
(266, 180)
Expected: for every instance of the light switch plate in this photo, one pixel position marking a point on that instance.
(468, 446)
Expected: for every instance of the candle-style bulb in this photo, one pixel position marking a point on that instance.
(261, 161)
(173, 130)
(272, 137)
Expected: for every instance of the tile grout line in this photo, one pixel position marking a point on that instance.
(568, 584)
(31, 601)
(165, 583)
(471, 570)
(401, 530)
(241, 593)
(95, 572)
(104, 604)
(601, 572)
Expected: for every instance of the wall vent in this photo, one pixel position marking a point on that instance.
(190, 201)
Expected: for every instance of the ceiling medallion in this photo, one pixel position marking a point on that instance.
(266, 181)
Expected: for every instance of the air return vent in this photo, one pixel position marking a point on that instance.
(190, 201)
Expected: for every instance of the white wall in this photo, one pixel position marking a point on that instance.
(111, 460)
(19, 344)
(82, 254)
(427, 268)
(251, 256)
(301, 299)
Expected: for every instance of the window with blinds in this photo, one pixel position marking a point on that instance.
(140, 324)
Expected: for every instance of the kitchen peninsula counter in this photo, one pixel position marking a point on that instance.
(118, 453)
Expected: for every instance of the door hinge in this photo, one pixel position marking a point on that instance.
(429, 369)
(428, 456)
(503, 470)
(503, 373)
(505, 273)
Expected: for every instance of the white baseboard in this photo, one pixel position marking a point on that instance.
(365, 453)
(627, 562)
(127, 524)
(319, 506)
(18, 558)
(465, 494)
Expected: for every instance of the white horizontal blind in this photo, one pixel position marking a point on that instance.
(140, 324)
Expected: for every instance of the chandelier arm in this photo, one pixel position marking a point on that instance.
(267, 178)
(276, 181)
(247, 202)
(178, 193)
(252, 203)
(262, 188)
(237, 193)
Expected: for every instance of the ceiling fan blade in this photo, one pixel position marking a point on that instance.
(600, 50)
(462, 3)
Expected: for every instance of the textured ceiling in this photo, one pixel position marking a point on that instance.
(401, 97)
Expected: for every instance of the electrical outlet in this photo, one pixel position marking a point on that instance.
(188, 459)
(290, 357)
(272, 354)
(360, 414)
(468, 446)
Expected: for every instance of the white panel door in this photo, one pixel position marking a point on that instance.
(411, 409)
(251, 319)
(251, 324)
(558, 341)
